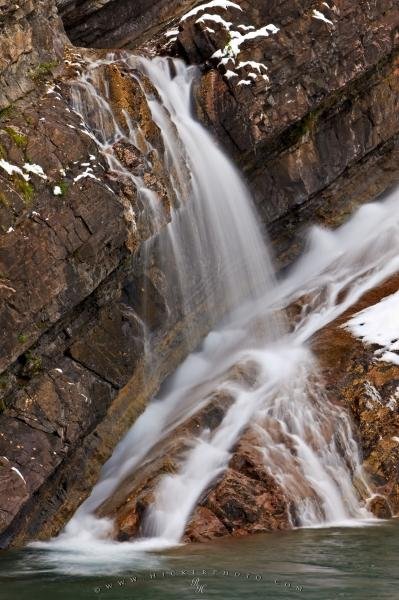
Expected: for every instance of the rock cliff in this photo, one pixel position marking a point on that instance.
(300, 93)
(117, 23)
(308, 108)
(30, 44)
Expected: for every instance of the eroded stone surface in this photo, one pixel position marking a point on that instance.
(28, 47)
(116, 23)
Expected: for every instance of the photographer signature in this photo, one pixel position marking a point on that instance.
(197, 586)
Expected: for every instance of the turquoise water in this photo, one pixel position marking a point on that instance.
(313, 564)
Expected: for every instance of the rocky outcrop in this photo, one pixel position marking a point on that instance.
(301, 102)
(134, 494)
(368, 388)
(246, 500)
(116, 23)
(78, 299)
(29, 49)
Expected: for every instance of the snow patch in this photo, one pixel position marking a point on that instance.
(225, 4)
(237, 38)
(35, 169)
(86, 173)
(10, 169)
(319, 15)
(18, 472)
(227, 57)
(229, 74)
(214, 19)
(254, 65)
(57, 191)
(246, 27)
(172, 33)
(379, 324)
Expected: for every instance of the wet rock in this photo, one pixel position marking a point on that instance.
(367, 388)
(204, 526)
(379, 506)
(130, 502)
(246, 500)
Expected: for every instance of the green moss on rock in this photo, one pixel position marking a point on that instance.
(17, 137)
(43, 70)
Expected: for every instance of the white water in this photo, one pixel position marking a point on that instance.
(212, 247)
(286, 406)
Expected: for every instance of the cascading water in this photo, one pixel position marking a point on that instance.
(213, 241)
(214, 230)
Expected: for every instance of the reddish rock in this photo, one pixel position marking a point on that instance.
(365, 387)
(246, 499)
(379, 506)
(204, 526)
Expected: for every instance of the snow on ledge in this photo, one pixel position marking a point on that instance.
(379, 324)
(214, 19)
(225, 4)
(319, 15)
(35, 169)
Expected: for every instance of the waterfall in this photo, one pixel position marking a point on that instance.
(212, 246)
(213, 236)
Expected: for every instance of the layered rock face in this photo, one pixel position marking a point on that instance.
(28, 46)
(116, 23)
(79, 299)
(301, 101)
(368, 387)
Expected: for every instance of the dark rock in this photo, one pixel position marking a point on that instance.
(116, 23)
(292, 132)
